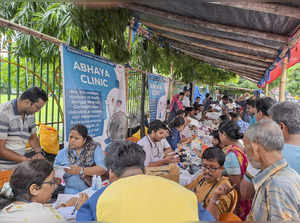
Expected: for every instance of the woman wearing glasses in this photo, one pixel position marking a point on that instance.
(213, 190)
(32, 184)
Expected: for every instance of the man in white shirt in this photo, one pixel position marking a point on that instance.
(153, 145)
(186, 99)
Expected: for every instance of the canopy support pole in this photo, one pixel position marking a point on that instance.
(283, 81)
(267, 89)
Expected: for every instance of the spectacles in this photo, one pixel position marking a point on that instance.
(213, 169)
(55, 181)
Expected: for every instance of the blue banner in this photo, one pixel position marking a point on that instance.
(158, 87)
(94, 90)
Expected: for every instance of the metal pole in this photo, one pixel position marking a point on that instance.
(9, 77)
(18, 77)
(53, 90)
(143, 105)
(47, 91)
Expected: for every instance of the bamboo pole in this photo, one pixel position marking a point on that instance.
(204, 24)
(283, 81)
(224, 41)
(275, 9)
(225, 62)
(291, 43)
(234, 58)
(220, 50)
(26, 30)
(267, 89)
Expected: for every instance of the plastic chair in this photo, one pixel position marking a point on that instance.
(5, 176)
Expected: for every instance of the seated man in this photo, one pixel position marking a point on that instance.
(212, 189)
(154, 145)
(135, 197)
(17, 128)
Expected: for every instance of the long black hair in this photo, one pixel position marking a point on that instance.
(26, 174)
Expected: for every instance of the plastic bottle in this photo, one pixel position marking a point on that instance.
(94, 183)
(99, 182)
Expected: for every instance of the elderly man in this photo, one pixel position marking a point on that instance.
(17, 127)
(135, 197)
(277, 187)
(287, 115)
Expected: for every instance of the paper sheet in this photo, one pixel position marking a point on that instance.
(67, 212)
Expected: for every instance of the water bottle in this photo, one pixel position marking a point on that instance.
(94, 183)
(99, 182)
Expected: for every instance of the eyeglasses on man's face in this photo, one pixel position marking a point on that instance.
(209, 168)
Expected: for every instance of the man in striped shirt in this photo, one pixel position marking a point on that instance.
(17, 127)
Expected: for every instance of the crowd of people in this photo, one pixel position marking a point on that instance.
(250, 170)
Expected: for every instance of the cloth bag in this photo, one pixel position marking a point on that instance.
(49, 139)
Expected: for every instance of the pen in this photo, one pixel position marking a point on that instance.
(74, 210)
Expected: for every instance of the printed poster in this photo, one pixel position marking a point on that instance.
(158, 87)
(94, 95)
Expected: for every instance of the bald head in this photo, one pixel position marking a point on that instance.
(266, 133)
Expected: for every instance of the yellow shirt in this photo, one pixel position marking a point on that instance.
(147, 199)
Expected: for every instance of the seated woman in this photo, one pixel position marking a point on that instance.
(177, 125)
(84, 157)
(32, 184)
(213, 190)
(236, 161)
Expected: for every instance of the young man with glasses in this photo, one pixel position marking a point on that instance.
(154, 146)
(213, 190)
(17, 128)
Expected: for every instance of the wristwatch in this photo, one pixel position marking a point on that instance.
(81, 171)
(216, 202)
(42, 152)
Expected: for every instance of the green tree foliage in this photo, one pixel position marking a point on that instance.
(99, 29)
(146, 54)
(293, 80)
(102, 31)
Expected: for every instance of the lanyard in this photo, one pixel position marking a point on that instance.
(155, 146)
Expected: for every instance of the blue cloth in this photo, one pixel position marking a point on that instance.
(203, 214)
(276, 194)
(291, 153)
(245, 115)
(74, 184)
(174, 138)
(252, 120)
(243, 125)
(87, 211)
(232, 165)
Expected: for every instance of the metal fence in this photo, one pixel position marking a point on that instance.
(20, 73)
(135, 85)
